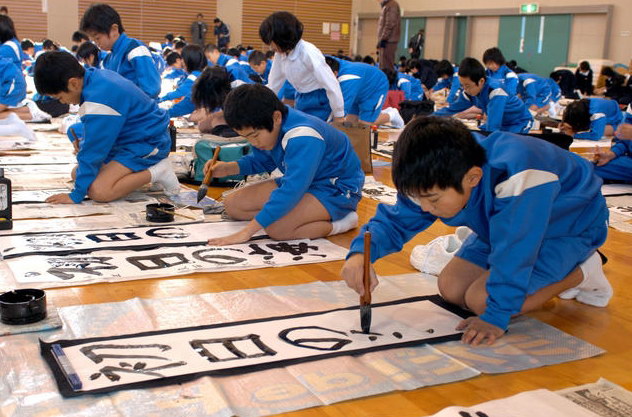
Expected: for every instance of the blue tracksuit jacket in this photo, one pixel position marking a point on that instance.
(12, 84)
(531, 192)
(507, 77)
(309, 152)
(364, 88)
(603, 112)
(453, 84)
(121, 123)
(235, 69)
(184, 90)
(534, 90)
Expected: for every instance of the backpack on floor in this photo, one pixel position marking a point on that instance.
(204, 150)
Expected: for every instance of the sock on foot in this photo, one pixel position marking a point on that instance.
(350, 221)
(595, 290)
(162, 173)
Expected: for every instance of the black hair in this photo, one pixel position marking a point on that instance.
(99, 18)
(210, 47)
(357, 58)
(607, 71)
(333, 63)
(54, 69)
(282, 28)
(4, 9)
(26, 44)
(252, 105)
(391, 76)
(444, 68)
(74, 49)
(241, 49)
(256, 58)
(169, 37)
(179, 45)
(234, 52)
(172, 58)
(368, 60)
(414, 63)
(193, 57)
(472, 69)
(494, 55)
(49, 44)
(434, 151)
(211, 88)
(88, 49)
(584, 66)
(577, 114)
(269, 54)
(182, 38)
(7, 29)
(217, 20)
(79, 36)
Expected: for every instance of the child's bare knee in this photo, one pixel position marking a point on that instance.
(234, 209)
(475, 302)
(100, 195)
(278, 232)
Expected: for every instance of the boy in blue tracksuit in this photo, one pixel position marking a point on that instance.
(10, 46)
(260, 65)
(535, 91)
(537, 214)
(498, 70)
(129, 57)
(126, 140)
(364, 90)
(322, 178)
(591, 118)
(448, 78)
(414, 91)
(503, 110)
(12, 85)
(616, 163)
(194, 63)
(234, 68)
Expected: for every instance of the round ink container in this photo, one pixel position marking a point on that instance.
(160, 212)
(23, 306)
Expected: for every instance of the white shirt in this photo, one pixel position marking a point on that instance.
(305, 68)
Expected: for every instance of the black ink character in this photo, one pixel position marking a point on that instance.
(229, 348)
(89, 352)
(318, 343)
(478, 414)
(294, 249)
(217, 259)
(168, 233)
(258, 250)
(157, 261)
(112, 237)
(67, 267)
(112, 372)
(51, 241)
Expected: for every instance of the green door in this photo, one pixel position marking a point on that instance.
(410, 26)
(538, 43)
(460, 39)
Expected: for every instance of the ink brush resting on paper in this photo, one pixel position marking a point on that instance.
(365, 300)
(207, 178)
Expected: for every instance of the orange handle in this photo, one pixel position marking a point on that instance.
(209, 173)
(366, 275)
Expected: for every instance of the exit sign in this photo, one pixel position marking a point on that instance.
(529, 8)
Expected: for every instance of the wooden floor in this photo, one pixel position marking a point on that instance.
(609, 328)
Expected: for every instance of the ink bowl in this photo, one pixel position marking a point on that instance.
(23, 306)
(160, 212)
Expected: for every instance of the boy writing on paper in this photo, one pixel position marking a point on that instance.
(537, 214)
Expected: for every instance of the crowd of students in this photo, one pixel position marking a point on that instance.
(526, 200)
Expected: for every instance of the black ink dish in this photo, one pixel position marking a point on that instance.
(23, 306)
(160, 212)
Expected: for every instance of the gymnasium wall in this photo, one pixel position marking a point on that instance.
(28, 18)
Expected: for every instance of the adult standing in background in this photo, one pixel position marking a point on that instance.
(4, 10)
(222, 33)
(416, 44)
(198, 30)
(388, 30)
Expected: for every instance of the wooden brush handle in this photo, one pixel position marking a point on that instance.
(366, 275)
(209, 173)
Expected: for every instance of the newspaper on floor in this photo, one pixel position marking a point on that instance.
(603, 398)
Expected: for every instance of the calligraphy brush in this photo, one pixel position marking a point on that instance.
(365, 300)
(207, 178)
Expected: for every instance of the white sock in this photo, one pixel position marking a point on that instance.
(12, 125)
(37, 114)
(594, 290)
(162, 173)
(348, 222)
(394, 116)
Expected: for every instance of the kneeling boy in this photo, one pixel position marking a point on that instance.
(537, 214)
(322, 179)
(126, 139)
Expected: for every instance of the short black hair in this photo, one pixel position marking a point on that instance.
(169, 37)
(179, 45)
(88, 49)
(472, 69)
(444, 68)
(252, 105)
(4, 9)
(7, 29)
(79, 36)
(282, 28)
(494, 55)
(414, 63)
(333, 63)
(217, 20)
(391, 76)
(211, 88)
(193, 57)
(234, 52)
(607, 71)
(99, 18)
(368, 59)
(577, 114)
(26, 44)
(584, 66)
(256, 58)
(269, 54)
(54, 69)
(49, 44)
(434, 151)
(172, 58)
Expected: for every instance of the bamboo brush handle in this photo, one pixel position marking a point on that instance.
(366, 275)
(209, 173)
